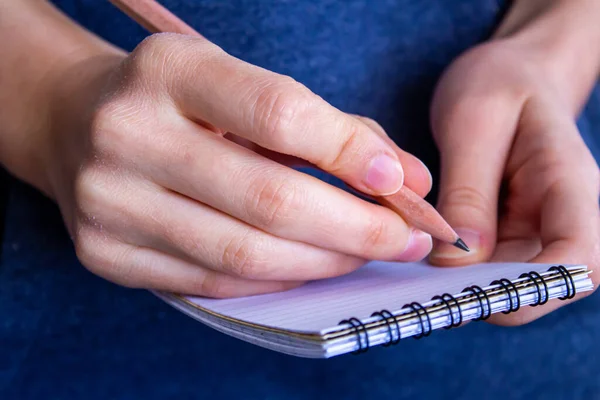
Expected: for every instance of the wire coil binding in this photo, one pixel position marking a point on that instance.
(508, 286)
(358, 327)
(421, 313)
(481, 297)
(542, 296)
(455, 312)
(571, 291)
(445, 299)
(387, 316)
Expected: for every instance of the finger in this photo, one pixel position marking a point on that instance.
(520, 249)
(569, 236)
(271, 197)
(283, 159)
(570, 224)
(152, 217)
(474, 140)
(270, 110)
(416, 175)
(231, 246)
(207, 237)
(139, 267)
(569, 215)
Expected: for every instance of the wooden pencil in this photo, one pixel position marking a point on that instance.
(154, 17)
(412, 208)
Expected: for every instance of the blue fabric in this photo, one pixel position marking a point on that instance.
(65, 333)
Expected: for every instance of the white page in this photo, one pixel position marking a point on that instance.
(320, 305)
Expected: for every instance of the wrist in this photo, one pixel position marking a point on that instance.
(560, 37)
(33, 146)
(44, 44)
(74, 92)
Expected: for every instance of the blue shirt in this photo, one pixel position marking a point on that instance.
(378, 58)
(65, 333)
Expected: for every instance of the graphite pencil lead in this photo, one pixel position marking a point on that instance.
(461, 245)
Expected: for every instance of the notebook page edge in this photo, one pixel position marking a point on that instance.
(377, 267)
(288, 345)
(182, 304)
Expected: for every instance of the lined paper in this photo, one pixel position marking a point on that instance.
(320, 305)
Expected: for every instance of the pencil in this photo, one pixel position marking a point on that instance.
(154, 17)
(413, 209)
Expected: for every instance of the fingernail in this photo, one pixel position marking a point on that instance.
(418, 246)
(385, 175)
(443, 250)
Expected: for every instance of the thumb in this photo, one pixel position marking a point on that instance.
(468, 200)
(473, 146)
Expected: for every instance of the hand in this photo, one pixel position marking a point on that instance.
(173, 176)
(517, 182)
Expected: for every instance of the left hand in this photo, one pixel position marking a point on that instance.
(500, 120)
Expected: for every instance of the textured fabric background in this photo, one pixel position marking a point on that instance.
(65, 333)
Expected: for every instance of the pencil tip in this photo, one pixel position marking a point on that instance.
(461, 245)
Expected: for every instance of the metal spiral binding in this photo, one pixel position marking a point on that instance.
(571, 291)
(537, 279)
(508, 285)
(455, 312)
(418, 308)
(358, 326)
(445, 299)
(387, 316)
(481, 296)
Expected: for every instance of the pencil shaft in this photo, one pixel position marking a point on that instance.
(415, 210)
(420, 214)
(154, 17)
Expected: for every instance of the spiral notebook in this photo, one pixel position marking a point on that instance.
(382, 304)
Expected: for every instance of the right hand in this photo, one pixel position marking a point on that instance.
(175, 176)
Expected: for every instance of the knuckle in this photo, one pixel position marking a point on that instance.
(374, 236)
(89, 192)
(371, 123)
(346, 148)
(85, 247)
(100, 258)
(115, 125)
(278, 106)
(157, 41)
(241, 257)
(99, 196)
(104, 122)
(466, 196)
(188, 157)
(163, 43)
(156, 57)
(367, 120)
(271, 203)
(153, 51)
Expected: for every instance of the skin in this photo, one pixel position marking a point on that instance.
(181, 181)
(504, 116)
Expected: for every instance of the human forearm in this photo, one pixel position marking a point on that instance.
(43, 45)
(563, 37)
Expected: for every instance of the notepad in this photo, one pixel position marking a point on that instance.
(381, 304)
